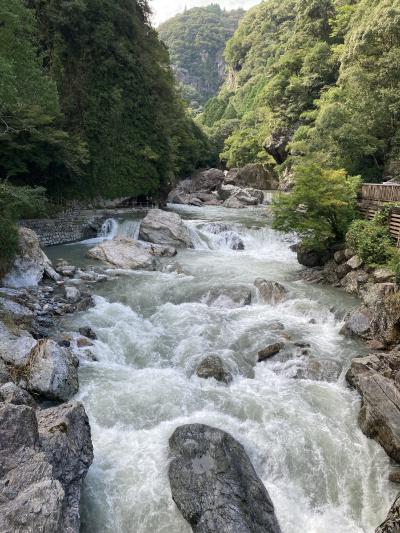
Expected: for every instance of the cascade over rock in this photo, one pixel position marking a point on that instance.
(214, 484)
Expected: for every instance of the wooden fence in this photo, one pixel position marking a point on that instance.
(375, 195)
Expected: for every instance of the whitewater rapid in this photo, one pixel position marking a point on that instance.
(322, 473)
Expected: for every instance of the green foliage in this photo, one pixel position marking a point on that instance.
(394, 265)
(15, 203)
(196, 40)
(370, 239)
(321, 206)
(33, 146)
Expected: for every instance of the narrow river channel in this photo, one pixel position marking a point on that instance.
(294, 413)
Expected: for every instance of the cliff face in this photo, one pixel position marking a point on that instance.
(196, 40)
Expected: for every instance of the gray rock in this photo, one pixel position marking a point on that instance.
(124, 252)
(4, 373)
(15, 349)
(229, 297)
(270, 351)
(162, 227)
(383, 275)
(377, 378)
(11, 393)
(30, 263)
(392, 522)
(233, 203)
(42, 467)
(212, 366)
(72, 294)
(68, 271)
(255, 175)
(339, 256)
(64, 434)
(87, 331)
(214, 484)
(227, 235)
(51, 371)
(358, 323)
(271, 292)
(355, 262)
(312, 258)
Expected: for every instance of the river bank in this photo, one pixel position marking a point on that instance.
(293, 412)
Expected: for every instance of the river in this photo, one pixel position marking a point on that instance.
(301, 433)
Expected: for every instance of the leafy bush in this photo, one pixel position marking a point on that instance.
(320, 208)
(371, 240)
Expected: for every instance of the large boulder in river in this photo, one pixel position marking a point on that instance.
(312, 258)
(376, 377)
(44, 456)
(213, 366)
(30, 264)
(207, 180)
(228, 297)
(124, 252)
(214, 484)
(235, 197)
(163, 227)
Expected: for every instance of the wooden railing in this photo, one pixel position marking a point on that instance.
(379, 192)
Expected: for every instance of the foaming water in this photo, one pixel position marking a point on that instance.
(298, 426)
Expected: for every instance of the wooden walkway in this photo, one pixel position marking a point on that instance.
(375, 195)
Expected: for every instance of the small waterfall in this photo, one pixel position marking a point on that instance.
(129, 228)
(109, 229)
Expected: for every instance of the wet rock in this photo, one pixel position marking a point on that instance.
(214, 484)
(124, 252)
(50, 372)
(358, 323)
(229, 297)
(376, 377)
(233, 203)
(394, 476)
(65, 438)
(317, 370)
(83, 342)
(11, 393)
(270, 351)
(312, 258)
(227, 235)
(72, 294)
(271, 292)
(87, 331)
(30, 263)
(162, 227)
(68, 271)
(392, 522)
(355, 262)
(172, 267)
(213, 366)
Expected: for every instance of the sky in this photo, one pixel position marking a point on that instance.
(165, 9)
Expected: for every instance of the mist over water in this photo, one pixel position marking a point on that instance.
(322, 473)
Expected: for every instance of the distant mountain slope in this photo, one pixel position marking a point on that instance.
(196, 40)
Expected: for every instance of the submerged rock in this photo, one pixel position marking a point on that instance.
(270, 351)
(271, 292)
(162, 227)
(213, 366)
(377, 378)
(214, 484)
(229, 297)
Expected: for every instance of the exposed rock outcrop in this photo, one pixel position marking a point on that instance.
(214, 484)
(44, 456)
(163, 227)
(270, 350)
(213, 366)
(377, 378)
(255, 175)
(30, 263)
(392, 522)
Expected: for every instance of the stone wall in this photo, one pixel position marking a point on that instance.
(71, 226)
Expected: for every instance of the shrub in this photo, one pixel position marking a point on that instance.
(371, 240)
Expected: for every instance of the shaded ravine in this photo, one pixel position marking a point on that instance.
(322, 473)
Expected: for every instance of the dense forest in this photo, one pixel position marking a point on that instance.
(88, 103)
(312, 79)
(196, 40)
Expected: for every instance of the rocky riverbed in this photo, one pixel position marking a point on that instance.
(206, 329)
